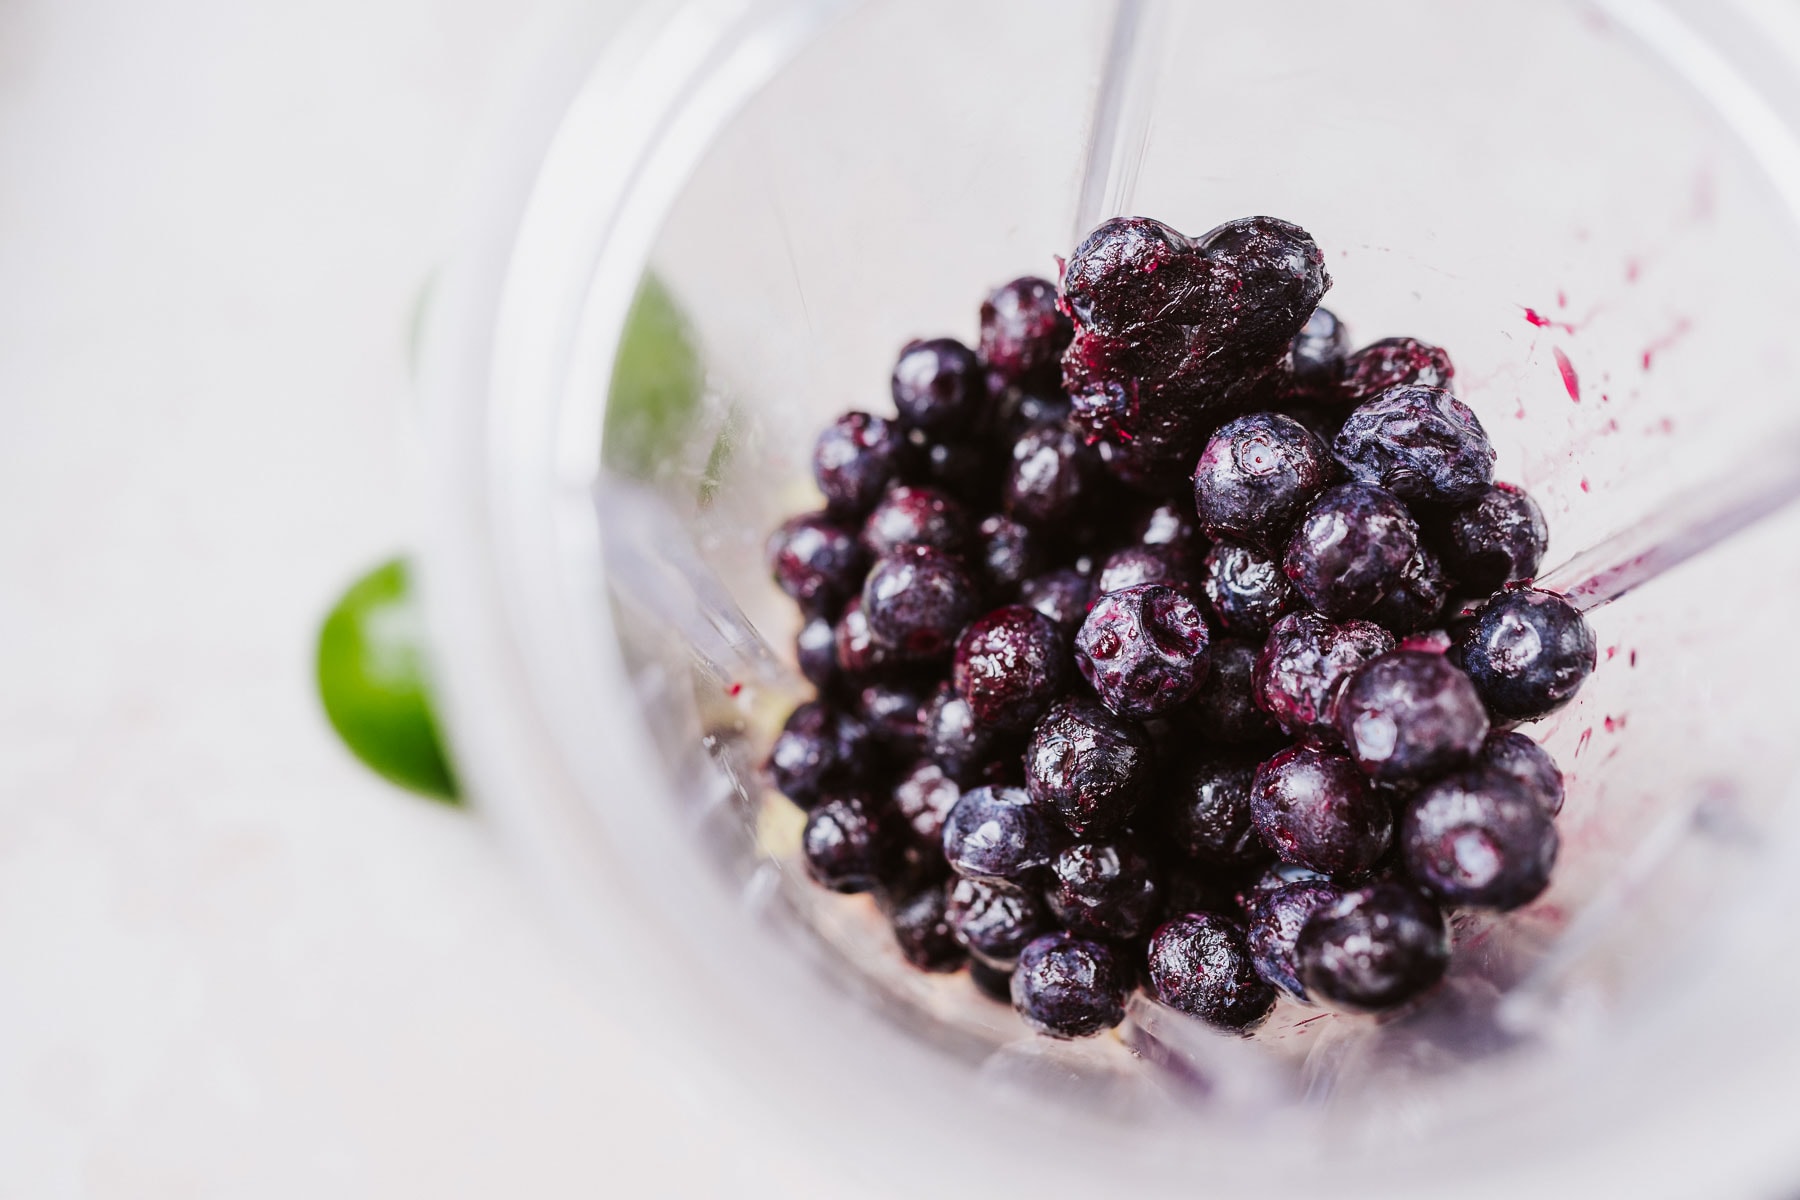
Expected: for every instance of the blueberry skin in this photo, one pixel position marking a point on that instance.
(1374, 948)
(1528, 653)
(995, 920)
(1479, 839)
(1512, 753)
(895, 715)
(1200, 964)
(1010, 665)
(1023, 330)
(1062, 595)
(1498, 538)
(1088, 766)
(1143, 649)
(938, 385)
(1410, 715)
(1206, 810)
(1392, 362)
(922, 931)
(916, 600)
(1142, 564)
(849, 843)
(916, 516)
(1273, 920)
(1267, 277)
(1317, 353)
(859, 655)
(815, 652)
(1303, 666)
(855, 459)
(1009, 553)
(1225, 708)
(1245, 588)
(1104, 890)
(998, 834)
(924, 797)
(815, 561)
(1048, 476)
(1416, 601)
(817, 749)
(1351, 549)
(1068, 987)
(1130, 270)
(1256, 477)
(1172, 527)
(1316, 809)
(962, 746)
(1421, 443)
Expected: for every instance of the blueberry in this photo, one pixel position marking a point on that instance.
(1374, 948)
(895, 715)
(1318, 350)
(1528, 653)
(1303, 665)
(1062, 595)
(1191, 887)
(1089, 767)
(1047, 477)
(1207, 810)
(816, 750)
(1141, 564)
(1512, 753)
(995, 920)
(1173, 527)
(922, 931)
(1417, 598)
(1479, 839)
(992, 982)
(916, 600)
(1009, 553)
(858, 654)
(1498, 538)
(1018, 410)
(1267, 277)
(916, 516)
(1273, 920)
(1009, 666)
(1103, 890)
(1225, 708)
(815, 561)
(1314, 808)
(965, 470)
(924, 797)
(998, 833)
(1143, 650)
(1130, 271)
(815, 651)
(965, 748)
(854, 460)
(1246, 589)
(1418, 442)
(1351, 549)
(938, 385)
(1068, 987)
(1200, 964)
(1391, 362)
(1256, 477)
(1410, 715)
(849, 843)
(1023, 330)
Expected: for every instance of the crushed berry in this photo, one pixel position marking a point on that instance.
(855, 459)
(1351, 549)
(1103, 890)
(916, 600)
(1314, 808)
(1418, 442)
(1201, 965)
(938, 385)
(1498, 538)
(1009, 666)
(1304, 664)
(1245, 588)
(1143, 650)
(1410, 715)
(1088, 766)
(1069, 987)
(1479, 839)
(1023, 330)
(1528, 653)
(1392, 362)
(1373, 948)
(1256, 477)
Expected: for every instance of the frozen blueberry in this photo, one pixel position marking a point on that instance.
(1418, 442)
(1010, 665)
(1190, 887)
(1351, 549)
(991, 982)
(1103, 890)
(998, 833)
(895, 715)
(1267, 277)
(1314, 808)
(1062, 595)
(965, 748)
(1130, 271)
(815, 650)
(849, 843)
(1512, 753)
(816, 750)
(1319, 349)
(1225, 708)
(854, 460)
(1528, 653)
(1479, 839)
(965, 470)
(1021, 409)
(858, 654)
(1496, 539)
(1172, 527)
(916, 600)
(915, 516)
(995, 920)
(1143, 650)
(1206, 809)
(1303, 666)
(1023, 331)
(1417, 598)
(1374, 948)
(1009, 553)
(1256, 477)
(922, 931)
(815, 561)
(1141, 564)
(1200, 964)
(1069, 987)
(1273, 920)
(1089, 767)
(1410, 715)
(1391, 362)
(938, 385)
(924, 797)
(1047, 477)
(1246, 588)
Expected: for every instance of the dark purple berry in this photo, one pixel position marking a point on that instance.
(916, 600)
(1089, 767)
(995, 920)
(895, 715)
(1478, 839)
(1225, 708)
(859, 655)
(1316, 809)
(1190, 887)
(1351, 549)
(1256, 477)
(1022, 409)
(964, 470)
(855, 459)
(1068, 987)
(1047, 477)
(1009, 666)
(1267, 277)
(1391, 362)
(1103, 890)
(1246, 589)
(1143, 650)
(1303, 666)
(1062, 595)
(1417, 598)
(1374, 948)
(1418, 442)
(1409, 715)
(817, 750)
(1319, 349)
(924, 797)
(922, 931)
(1023, 331)
(1498, 538)
(965, 748)
(814, 561)
(915, 516)
(815, 651)
(1207, 810)
(1512, 753)
(1528, 653)
(1009, 553)
(938, 385)
(991, 982)
(849, 843)
(1273, 920)
(998, 833)
(1130, 271)
(1142, 564)
(1201, 965)
(1172, 527)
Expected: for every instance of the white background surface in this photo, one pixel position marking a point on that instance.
(231, 962)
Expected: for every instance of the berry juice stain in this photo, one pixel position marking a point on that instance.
(734, 688)
(1665, 341)
(1571, 381)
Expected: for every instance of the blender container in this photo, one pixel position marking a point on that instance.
(1594, 207)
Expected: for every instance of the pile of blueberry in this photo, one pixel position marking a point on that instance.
(1161, 640)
